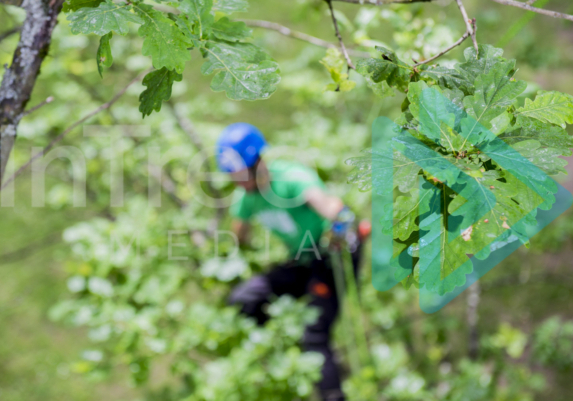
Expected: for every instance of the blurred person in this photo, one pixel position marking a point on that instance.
(290, 200)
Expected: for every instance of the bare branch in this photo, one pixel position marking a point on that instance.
(337, 33)
(49, 99)
(526, 6)
(19, 79)
(71, 127)
(470, 31)
(470, 24)
(459, 42)
(283, 30)
(383, 2)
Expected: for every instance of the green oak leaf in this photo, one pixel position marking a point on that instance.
(159, 84)
(335, 64)
(405, 213)
(105, 18)
(456, 96)
(472, 167)
(242, 70)
(435, 110)
(449, 78)
(508, 215)
(162, 39)
(494, 93)
(500, 123)
(380, 89)
(550, 107)
(443, 264)
(489, 57)
(74, 5)
(188, 29)
(451, 140)
(198, 13)
(404, 173)
(415, 90)
(388, 68)
(231, 6)
(413, 278)
(548, 136)
(547, 159)
(443, 168)
(104, 57)
(514, 163)
(225, 29)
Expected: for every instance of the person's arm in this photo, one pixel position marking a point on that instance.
(326, 205)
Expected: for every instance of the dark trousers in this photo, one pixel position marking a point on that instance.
(315, 279)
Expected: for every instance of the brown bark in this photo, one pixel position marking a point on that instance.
(19, 79)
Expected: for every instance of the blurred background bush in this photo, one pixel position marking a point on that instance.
(85, 320)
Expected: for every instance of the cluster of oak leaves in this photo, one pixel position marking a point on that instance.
(484, 151)
(481, 90)
(216, 352)
(458, 112)
(243, 70)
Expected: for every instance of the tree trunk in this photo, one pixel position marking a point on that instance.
(19, 79)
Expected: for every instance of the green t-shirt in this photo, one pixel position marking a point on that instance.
(281, 207)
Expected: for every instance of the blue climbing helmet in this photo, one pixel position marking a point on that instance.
(239, 146)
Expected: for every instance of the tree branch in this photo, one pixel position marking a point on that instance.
(471, 31)
(383, 2)
(456, 44)
(470, 24)
(528, 7)
(19, 80)
(49, 99)
(283, 30)
(337, 33)
(71, 127)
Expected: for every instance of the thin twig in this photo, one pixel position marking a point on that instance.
(459, 42)
(470, 31)
(528, 7)
(71, 127)
(337, 32)
(383, 2)
(50, 99)
(283, 30)
(470, 24)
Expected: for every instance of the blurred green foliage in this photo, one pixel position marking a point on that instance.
(133, 325)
